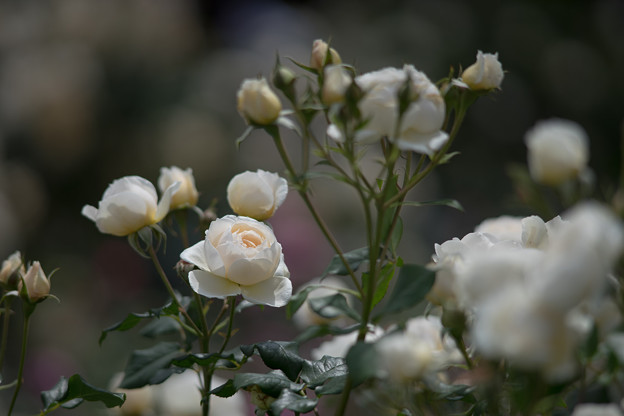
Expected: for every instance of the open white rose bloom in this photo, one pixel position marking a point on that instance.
(240, 256)
(129, 204)
(420, 127)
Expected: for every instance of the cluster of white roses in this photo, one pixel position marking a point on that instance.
(532, 290)
(239, 255)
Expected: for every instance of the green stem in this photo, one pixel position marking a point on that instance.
(20, 371)
(304, 195)
(6, 319)
(228, 333)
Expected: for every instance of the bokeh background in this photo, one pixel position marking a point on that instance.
(93, 90)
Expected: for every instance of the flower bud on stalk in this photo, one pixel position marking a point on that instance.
(257, 103)
(186, 195)
(36, 283)
(337, 81)
(284, 80)
(323, 55)
(485, 74)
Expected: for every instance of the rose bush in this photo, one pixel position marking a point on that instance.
(240, 256)
(129, 204)
(256, 194)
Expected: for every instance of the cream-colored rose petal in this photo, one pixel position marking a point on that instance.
(212, 286)
(275, 291)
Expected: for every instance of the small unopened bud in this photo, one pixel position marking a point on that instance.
(323, 55)
(183, 268)
(335, 84)
(485, 74)
(207, 217)
(12, 269)
(37, 284)
(283, 77)
(257, 103)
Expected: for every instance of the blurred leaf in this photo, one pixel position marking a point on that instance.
(304, 67)
(333, 306)
(288, 124)
(385, 277)
(278, 356)
(315, 373)
(225, 390)
(316, 331)
(292, 401)
(453, 203)
(447, 157)
(271, 383)
(161, 326)
(151, 365)
(130, 321)
(413, 284)
(354, 259)
(71, 393)
(334, 385)
(361, 360)
(298, 299)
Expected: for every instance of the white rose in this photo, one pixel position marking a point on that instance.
(420, 128)
(129, 204)
(485, 74)
(418, 352)
(256, 194)
(558, 150)
(37, 283)
(11, 266)
(319, 54)
(257, 103)
(186, 195)
(337, 80)
(240, 256)
(504, 227)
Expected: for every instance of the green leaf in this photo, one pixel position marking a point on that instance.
(159, 327)
(70, 393)
(453, 203)
(334, 385)
(230, 360)
(244, 136)
(151, 365)
(304, 67)
(413, 284)
(271, 383)
(292, 401)
(361, 360)
(447, 157)
(315, 373)
(278, 356)
(297, 300)
(385, 277)
(333, 306)
(288, 124)
(354, 259)
(130, 321)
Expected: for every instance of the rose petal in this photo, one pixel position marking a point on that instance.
(196, 255)
(251, 271)
(275, 291)
(165, 201)
(212, 286)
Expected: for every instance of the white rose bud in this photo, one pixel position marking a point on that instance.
(319, 54)
(129, 204)
(186, 195)
(337, 80)
(256, 194)
(485, 74)
(257, 103)
(240, 256)
(37, 284)
(11, 267)
(558, 150)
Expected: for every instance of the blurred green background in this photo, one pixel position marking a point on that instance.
(94, 90)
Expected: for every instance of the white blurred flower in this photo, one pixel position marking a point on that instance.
(592, 409)
(418, 352)
(320, 54)
(256, 194)
(558, 150)
(337, 80)
(240, 256)
(486, 73)
(186, 195)
(420, 125)
(11, 266)
(504, 227)
(339, 345)
(129, 204)
(257, 103)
